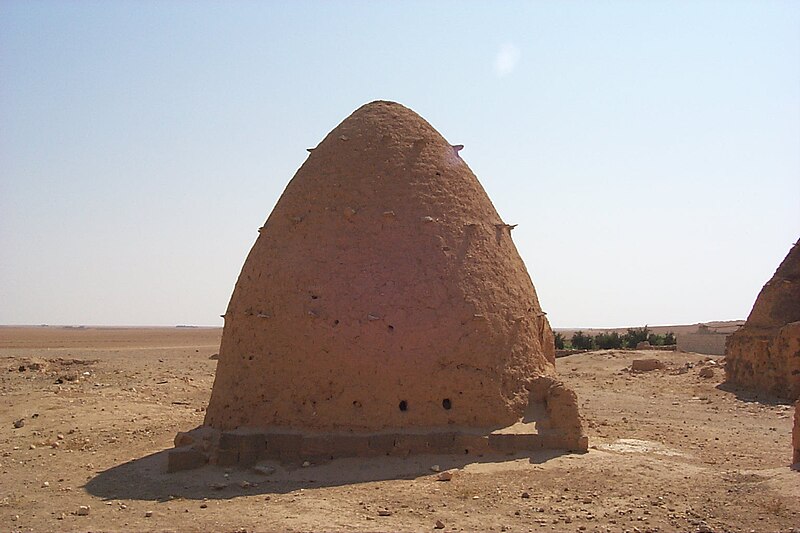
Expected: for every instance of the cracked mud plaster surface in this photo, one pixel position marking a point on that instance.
(765, 354)
(384, 291)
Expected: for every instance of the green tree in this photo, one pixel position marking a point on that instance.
(669, 339)
(582, 341)
(608, 341)
(559, 338)
(635, 336)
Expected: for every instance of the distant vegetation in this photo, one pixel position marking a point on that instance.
(613, 340)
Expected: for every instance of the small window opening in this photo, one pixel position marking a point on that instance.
(403, 405)
(446, 403)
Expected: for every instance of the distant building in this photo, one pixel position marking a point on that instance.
(706, 341)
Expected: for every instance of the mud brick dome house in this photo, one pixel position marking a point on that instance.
(383, 309)
(764, 355)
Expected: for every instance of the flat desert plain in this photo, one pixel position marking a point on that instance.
(99, 407)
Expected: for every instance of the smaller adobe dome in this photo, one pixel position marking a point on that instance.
(764, 355)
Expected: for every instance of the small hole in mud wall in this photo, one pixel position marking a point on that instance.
(356, 403)
(335, 323)
(314, 296)
(390, 328)
(446, 403)
(403, 405)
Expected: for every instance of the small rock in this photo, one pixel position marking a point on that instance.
(444, 476)
(436, 468)
(148, 514)
(306, 464)
(525, 495)
(706, 372)
(646, 365)
(19, 423)
(264, 470)
(83, 510)
(203, 506)
(384, 512)
(61, 516)
(438, 525)
(218, 486)
(45, 484)
(32, 446)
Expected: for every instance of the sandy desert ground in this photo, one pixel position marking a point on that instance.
(669, 451)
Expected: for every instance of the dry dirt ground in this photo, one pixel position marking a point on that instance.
(670, 451)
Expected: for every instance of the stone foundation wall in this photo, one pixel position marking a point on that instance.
(245, 448)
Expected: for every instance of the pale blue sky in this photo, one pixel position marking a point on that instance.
(649, 151)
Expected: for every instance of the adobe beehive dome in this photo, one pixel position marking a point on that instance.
(384, 293)
(765, 354)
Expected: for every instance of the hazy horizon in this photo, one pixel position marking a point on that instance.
(648, 151)
(205, 326)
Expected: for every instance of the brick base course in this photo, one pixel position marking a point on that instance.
(245, 448)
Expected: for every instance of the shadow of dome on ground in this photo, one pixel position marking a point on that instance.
(752, 396)
(147, 478)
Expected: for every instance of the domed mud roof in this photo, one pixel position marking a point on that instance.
(384, 291)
